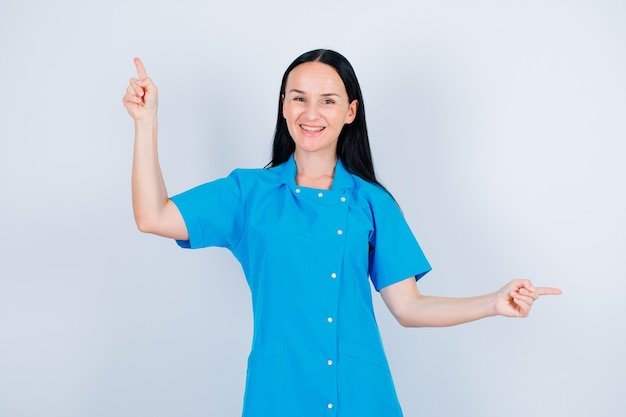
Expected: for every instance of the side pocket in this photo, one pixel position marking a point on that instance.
(364, 353)
(365, 382)
(265, 350)
(264, 386)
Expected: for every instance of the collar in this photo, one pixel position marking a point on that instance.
(341, 181)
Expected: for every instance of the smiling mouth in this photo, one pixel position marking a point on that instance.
(312, 129)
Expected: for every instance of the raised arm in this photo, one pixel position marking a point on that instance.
(413, 309)
(154, 211)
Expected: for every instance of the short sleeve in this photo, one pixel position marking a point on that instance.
(212, 213)
(395, 253)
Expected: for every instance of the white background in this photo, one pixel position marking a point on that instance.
(499, 126)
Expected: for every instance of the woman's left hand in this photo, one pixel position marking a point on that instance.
(516, 298)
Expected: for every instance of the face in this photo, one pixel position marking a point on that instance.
(316, 107)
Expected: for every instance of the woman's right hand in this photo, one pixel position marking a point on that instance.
(141, 97)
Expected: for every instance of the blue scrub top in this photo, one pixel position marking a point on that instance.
(308, 255)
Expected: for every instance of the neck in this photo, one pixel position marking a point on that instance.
(314, 170)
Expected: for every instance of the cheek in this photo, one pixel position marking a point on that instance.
(290, 129)
(288, 113)
(289, 121)
(340, 118)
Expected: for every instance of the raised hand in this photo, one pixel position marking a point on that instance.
(141, 98)
(516, 298)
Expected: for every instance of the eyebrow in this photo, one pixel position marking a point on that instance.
(293, 90)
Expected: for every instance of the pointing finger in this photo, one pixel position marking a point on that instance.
(548, 291)
(141, 70)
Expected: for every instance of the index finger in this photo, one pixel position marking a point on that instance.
(141, 70)
(548, 291)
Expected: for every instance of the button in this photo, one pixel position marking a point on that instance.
(340, 232)
(297, 191)
(330, 405)
(320, 195)
(330, 362)
(343, 199)
(330, 319)
(333, 275)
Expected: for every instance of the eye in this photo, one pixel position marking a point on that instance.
(328, 101)
(297, 98)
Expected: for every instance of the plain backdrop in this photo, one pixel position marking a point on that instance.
(499, 126)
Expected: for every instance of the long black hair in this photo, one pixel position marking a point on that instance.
(353, 147)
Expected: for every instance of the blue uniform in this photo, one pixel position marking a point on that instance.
(308, 255)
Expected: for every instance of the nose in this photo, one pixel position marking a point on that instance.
(311, 111)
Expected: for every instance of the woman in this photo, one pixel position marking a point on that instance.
(310, 230)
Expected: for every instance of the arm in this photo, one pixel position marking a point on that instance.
(413, 309)
(154, 211)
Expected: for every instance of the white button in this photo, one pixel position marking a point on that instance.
(333, 275)
(330, 405)
(343, 199)
(297, 191)
(340, 232)
(330, 362)
(330, 319)
(320, 195)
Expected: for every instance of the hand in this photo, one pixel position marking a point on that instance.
(516, 298)
(141, 95)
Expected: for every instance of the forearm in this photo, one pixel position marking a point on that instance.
(412, 309)
(428, 311)
(149, 193)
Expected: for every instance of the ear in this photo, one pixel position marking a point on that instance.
(352, 111)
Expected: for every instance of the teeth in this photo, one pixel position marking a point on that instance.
(312, 129)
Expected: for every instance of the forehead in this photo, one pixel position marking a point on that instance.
(315, 77)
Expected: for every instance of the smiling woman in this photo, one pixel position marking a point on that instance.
(310, 230)
(316, 107)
